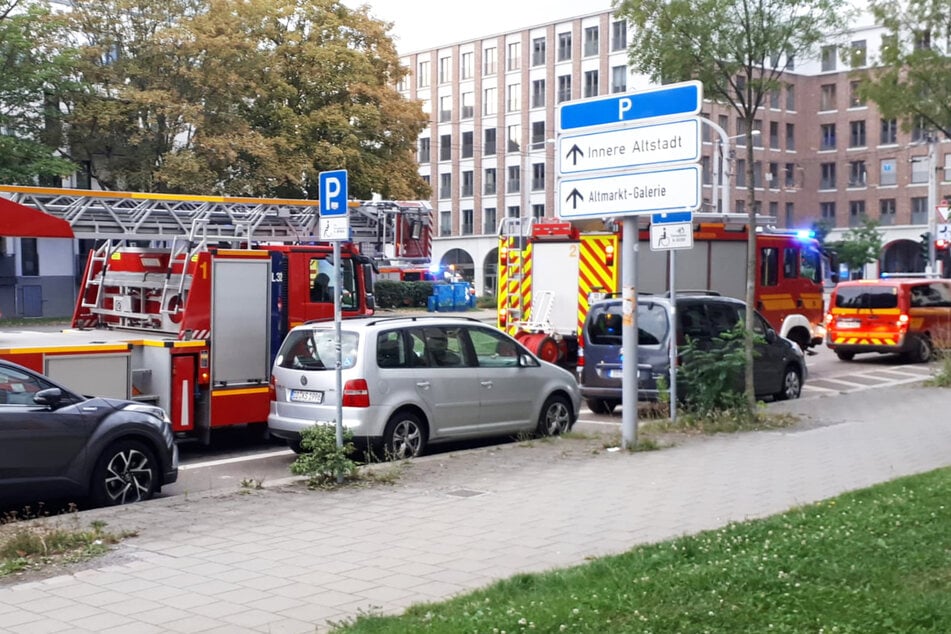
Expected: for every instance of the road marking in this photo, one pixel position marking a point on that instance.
(222, 461)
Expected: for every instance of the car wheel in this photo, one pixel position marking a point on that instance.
(404, 437)
(556, 417)
(295, 445)
(845, 356)
(921, 351)
(600, 405)
(792, 384)
(126, 472)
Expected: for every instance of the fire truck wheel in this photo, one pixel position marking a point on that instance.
(601, 405)
(404, 436)
(921, 351)
(792, 385)
(556, 416)
(126, 472)
(845, 356)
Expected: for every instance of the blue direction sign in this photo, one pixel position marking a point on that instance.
(333, 193)
(671, 217)
(673, 99)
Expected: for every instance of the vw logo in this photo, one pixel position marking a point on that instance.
(303, 380)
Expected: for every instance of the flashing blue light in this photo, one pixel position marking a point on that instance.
(434, 268)
(803, 234)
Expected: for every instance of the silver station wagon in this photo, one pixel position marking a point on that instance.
(411, 381)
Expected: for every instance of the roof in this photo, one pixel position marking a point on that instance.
(20, 221)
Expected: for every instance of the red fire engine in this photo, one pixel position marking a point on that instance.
(550, 271)
(185, 299)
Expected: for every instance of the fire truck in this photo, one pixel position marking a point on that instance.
(550, 271)
(184, 300)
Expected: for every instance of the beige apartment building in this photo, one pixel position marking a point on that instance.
(821, 153)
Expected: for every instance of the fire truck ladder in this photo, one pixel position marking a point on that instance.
(517, 230)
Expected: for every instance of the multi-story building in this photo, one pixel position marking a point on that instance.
(822, 154)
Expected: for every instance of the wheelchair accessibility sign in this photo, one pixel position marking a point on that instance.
(668, 236)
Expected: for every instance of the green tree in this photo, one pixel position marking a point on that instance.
(738, 50)
(29, 116)
(245, 98)
(860, 245)
(911, 80)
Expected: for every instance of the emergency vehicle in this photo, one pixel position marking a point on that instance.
(551, 270)
(184, 300)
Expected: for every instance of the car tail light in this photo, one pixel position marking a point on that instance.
(356, 393)
(272, 389)
(902, 322)
(580, 356)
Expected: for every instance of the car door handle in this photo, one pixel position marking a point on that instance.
(423, 384)
(486, 384)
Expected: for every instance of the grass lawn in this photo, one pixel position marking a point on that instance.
(875, 560)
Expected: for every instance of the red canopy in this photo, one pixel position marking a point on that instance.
(20, 221)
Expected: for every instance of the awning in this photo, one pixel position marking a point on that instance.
(20, 221)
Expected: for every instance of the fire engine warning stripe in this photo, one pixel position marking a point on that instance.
(124, 347)
(868, 341)
(239, 391)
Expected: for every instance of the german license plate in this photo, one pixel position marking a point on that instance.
(306, 396)
(615, 374)
(848, 323)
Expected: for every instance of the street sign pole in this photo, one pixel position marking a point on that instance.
(629, 370)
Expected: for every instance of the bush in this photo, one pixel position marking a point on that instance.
(390, 294)
(711, 372)
(322, 461)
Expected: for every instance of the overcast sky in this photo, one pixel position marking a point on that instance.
(422, 24)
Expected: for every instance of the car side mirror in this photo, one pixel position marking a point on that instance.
(50, 397)
(771, 336)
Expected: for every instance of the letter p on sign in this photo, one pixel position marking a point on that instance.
(623, 105)
(333, 193)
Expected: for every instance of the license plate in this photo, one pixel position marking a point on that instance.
(615, 374)
(848, 323)
(306, 396)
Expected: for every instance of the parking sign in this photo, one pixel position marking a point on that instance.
(333, 193)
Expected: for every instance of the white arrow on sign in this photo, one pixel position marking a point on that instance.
(674, 189)
(654, 144)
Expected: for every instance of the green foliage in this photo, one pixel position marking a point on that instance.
(487, 301)
(711, 373)
(42, 542)
(322, 461)
(860, 245)
(392, 294)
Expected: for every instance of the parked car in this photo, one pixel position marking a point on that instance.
(55, 443)
(779, 367)
(411, 381)
(907, 316)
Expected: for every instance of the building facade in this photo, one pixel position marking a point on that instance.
(822, 154)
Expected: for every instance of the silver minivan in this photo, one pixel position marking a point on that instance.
(410, 381)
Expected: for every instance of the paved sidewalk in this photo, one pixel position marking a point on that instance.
(290, 560)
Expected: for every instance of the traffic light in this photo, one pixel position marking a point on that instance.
(924, 246)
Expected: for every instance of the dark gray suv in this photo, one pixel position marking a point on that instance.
(779, 366)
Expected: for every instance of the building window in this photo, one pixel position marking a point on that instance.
(741, 131)
(467, 143)
(538, 93)
(827, 136)
(424, 147)
(445, 147)
(489, 182)
(774, 209)
(772, 176)
(538, 51)
(705, 173)
(538, 135)
(538, 176)
(445, 70)
(857, 174)
(857, 133)
(490, 61)
(445, 108)
(724, 122)
(827, 178)
(888, 174)
(790, 175)
(513, 179)
(29, 257)
(740, 177)
(886, 211)
(591, 83)
(619, 79)
(467, 181)
(790, 60)
(790, 137)
(919, 169)
(774, 98)
(514, 138)
(468, 105)
(513, 211)
(466, 228)
(889, 132)
(858, 53)
(489, 149)
(422, 75)
(922, 40)
(855, 95)
(619, 35)
(790, 214)
(490, 101)
(856, 212)
(465, 66)
(828, 57)
(488, 220)
(564, 88)
(512, 56)
(513, 97)
(445, 223)
(757, 174)
(947, 168)
(538, 212)
(791, 97)
(591, 41)
(919, 210)
(827, 212)
(758, 127)
(445, 185)
(827, 97)
(919, 130)
(564, 46)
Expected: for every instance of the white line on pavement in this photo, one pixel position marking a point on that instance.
(216, 463)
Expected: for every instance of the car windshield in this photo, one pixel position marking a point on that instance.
(604, 325)
(313, 349)
(867, 297)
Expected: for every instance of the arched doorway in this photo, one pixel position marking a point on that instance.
(461, 262)
(490, 275)
(902, 256)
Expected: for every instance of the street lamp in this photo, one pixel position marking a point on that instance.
(726, 159)
(721, 171)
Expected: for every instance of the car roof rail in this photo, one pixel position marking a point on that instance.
(699, 291)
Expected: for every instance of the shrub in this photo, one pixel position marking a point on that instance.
(322, 461)
(711, 373)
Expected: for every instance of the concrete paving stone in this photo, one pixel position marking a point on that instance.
(42, 627)
(251, 618)
(159, 615)
(103, 620)
(289, 626)
(265, 583)
(317, 613)
(43, 605)
(140, 628)
(131, 605)
(181, 600)
(20, 618)
(192, 623)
